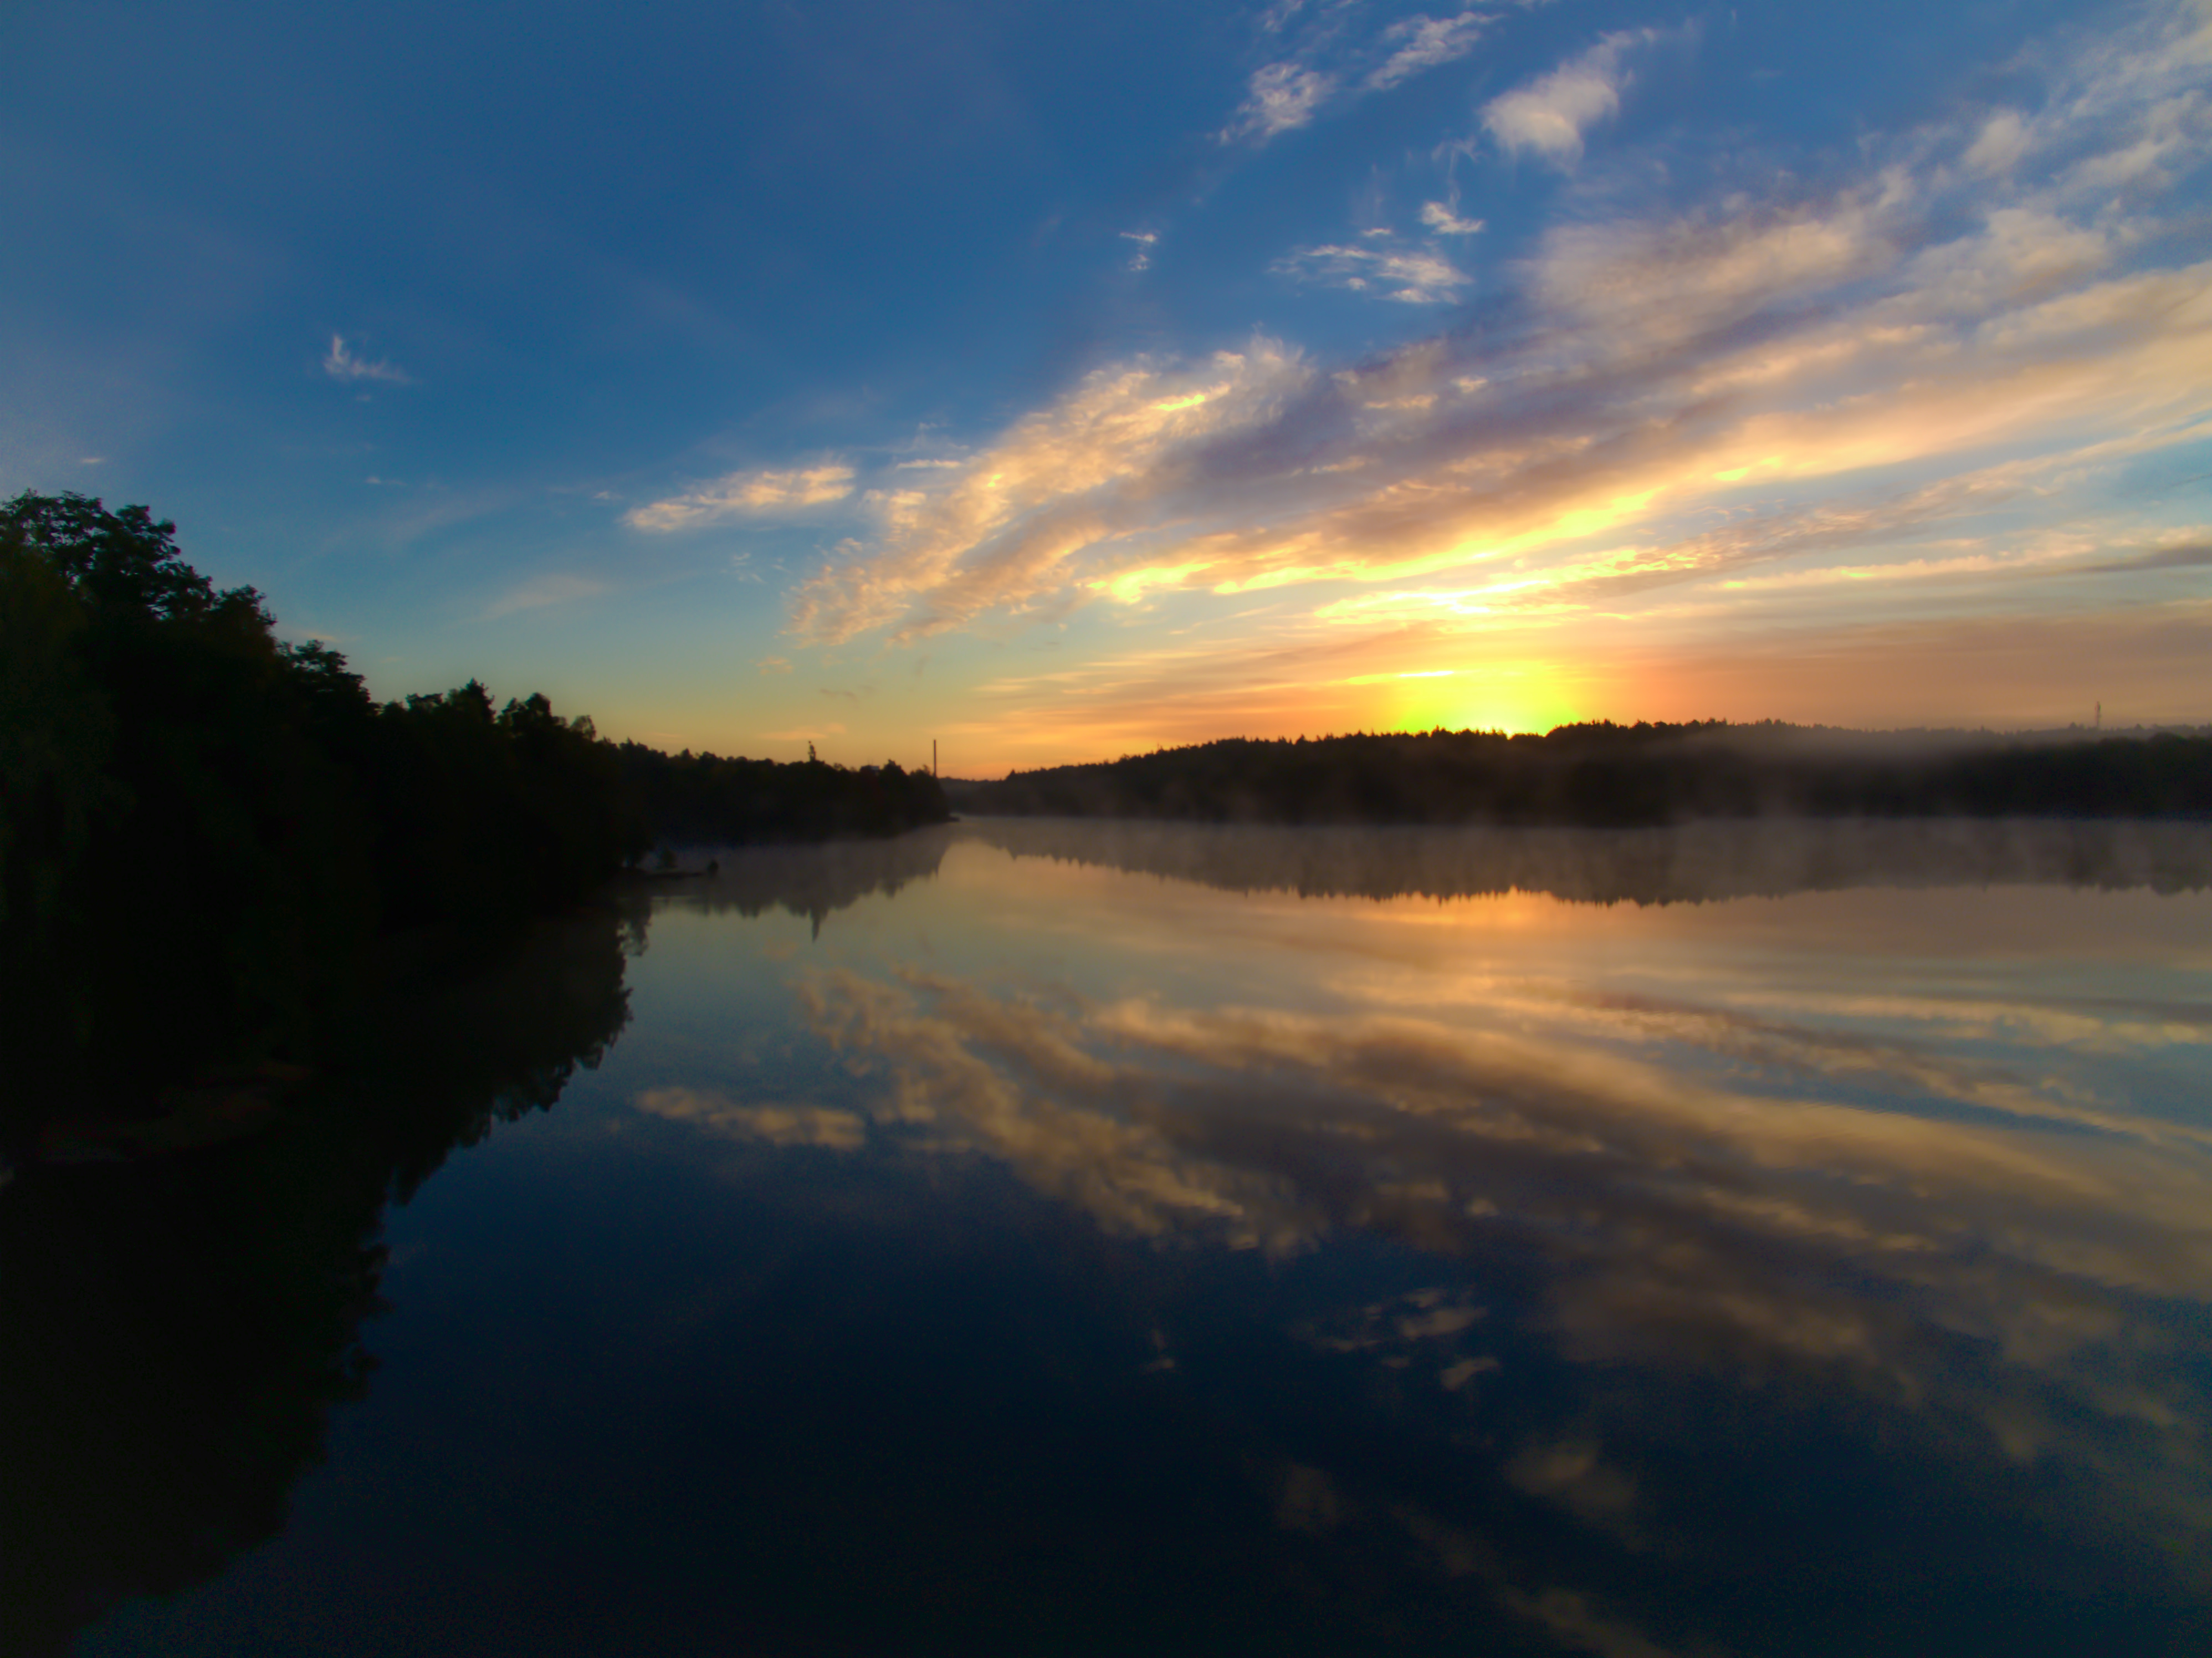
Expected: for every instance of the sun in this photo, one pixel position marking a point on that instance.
(1528, 698)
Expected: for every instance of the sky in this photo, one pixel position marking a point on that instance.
(1055, 382)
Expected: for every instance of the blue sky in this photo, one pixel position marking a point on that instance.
(1059, 380)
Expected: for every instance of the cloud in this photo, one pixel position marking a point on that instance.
(772, 1125)
(1693, 1182)
(1552, 113)
(1414, 277)
(342, 365)
(774, 665)
(1652, 403)
(1551, 1110)
(2193, 555)
(1280, 97)
(1142, 258)
(1325, 66)
(1443, 219)
(539, 592)
(2003, 142)
(1001, 528)
(1427, 43)
(761, 493)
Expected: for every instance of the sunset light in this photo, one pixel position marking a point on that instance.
(1150, 827)
(1512, 700)
(1616, 364)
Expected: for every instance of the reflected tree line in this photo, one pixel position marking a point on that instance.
(215, 844)
(1688, 863)
(1607, 775)
(175, 1330)
(815, 881)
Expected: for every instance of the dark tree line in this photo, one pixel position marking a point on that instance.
(1713, 859)
(706, 799)
(183, 1326)
(210, 838)
(1605, 776)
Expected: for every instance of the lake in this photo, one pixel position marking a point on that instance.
(1051, 1237)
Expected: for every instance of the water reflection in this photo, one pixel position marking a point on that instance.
(1690, 862)
(815, 881)
(1687, 1222)
(177, 1330)
(1052, 1237)
(1889, 1166)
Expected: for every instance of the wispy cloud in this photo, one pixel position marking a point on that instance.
(1145, 241)
(1640, 383)
(761, 493)
(1010, 526)
(1551, 113)
(1413, 277)
(773, 1124)
(540, 592)
(1327, 64)
(2193, 553)
(1279, 98)
(1443, 218)
(341, 364)
(805, 733)
(1424, 43)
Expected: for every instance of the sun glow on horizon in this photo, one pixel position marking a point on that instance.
(1533, 697)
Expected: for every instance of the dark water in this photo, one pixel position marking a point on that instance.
(1054, 1238)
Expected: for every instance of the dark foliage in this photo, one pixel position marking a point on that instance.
(1621, 776)
(179, 1327)
(1703, 862)
(210, 839)
(707, 799)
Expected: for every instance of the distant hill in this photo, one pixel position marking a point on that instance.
(1610, 775)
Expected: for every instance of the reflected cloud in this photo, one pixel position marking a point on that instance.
(2012, 1273)
(773, 1125)
(1573, 1474)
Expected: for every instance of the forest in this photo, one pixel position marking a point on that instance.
(215, 843)
(1611, 776)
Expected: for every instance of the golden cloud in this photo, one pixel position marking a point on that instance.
(761, 493)
(1826, 350)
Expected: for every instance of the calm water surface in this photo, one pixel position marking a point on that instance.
(1054, 1238)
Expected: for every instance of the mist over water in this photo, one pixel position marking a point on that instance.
(1693, 862)
(1051, 1236)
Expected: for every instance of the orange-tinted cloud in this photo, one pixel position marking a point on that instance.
(1928, 369)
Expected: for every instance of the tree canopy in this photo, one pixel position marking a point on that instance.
(210, 837)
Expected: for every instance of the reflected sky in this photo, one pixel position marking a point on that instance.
(1091, 1237)
(1944, 1148)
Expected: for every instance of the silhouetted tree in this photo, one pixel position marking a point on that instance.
(1607, 776)
(209, 838)
(204, 830)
